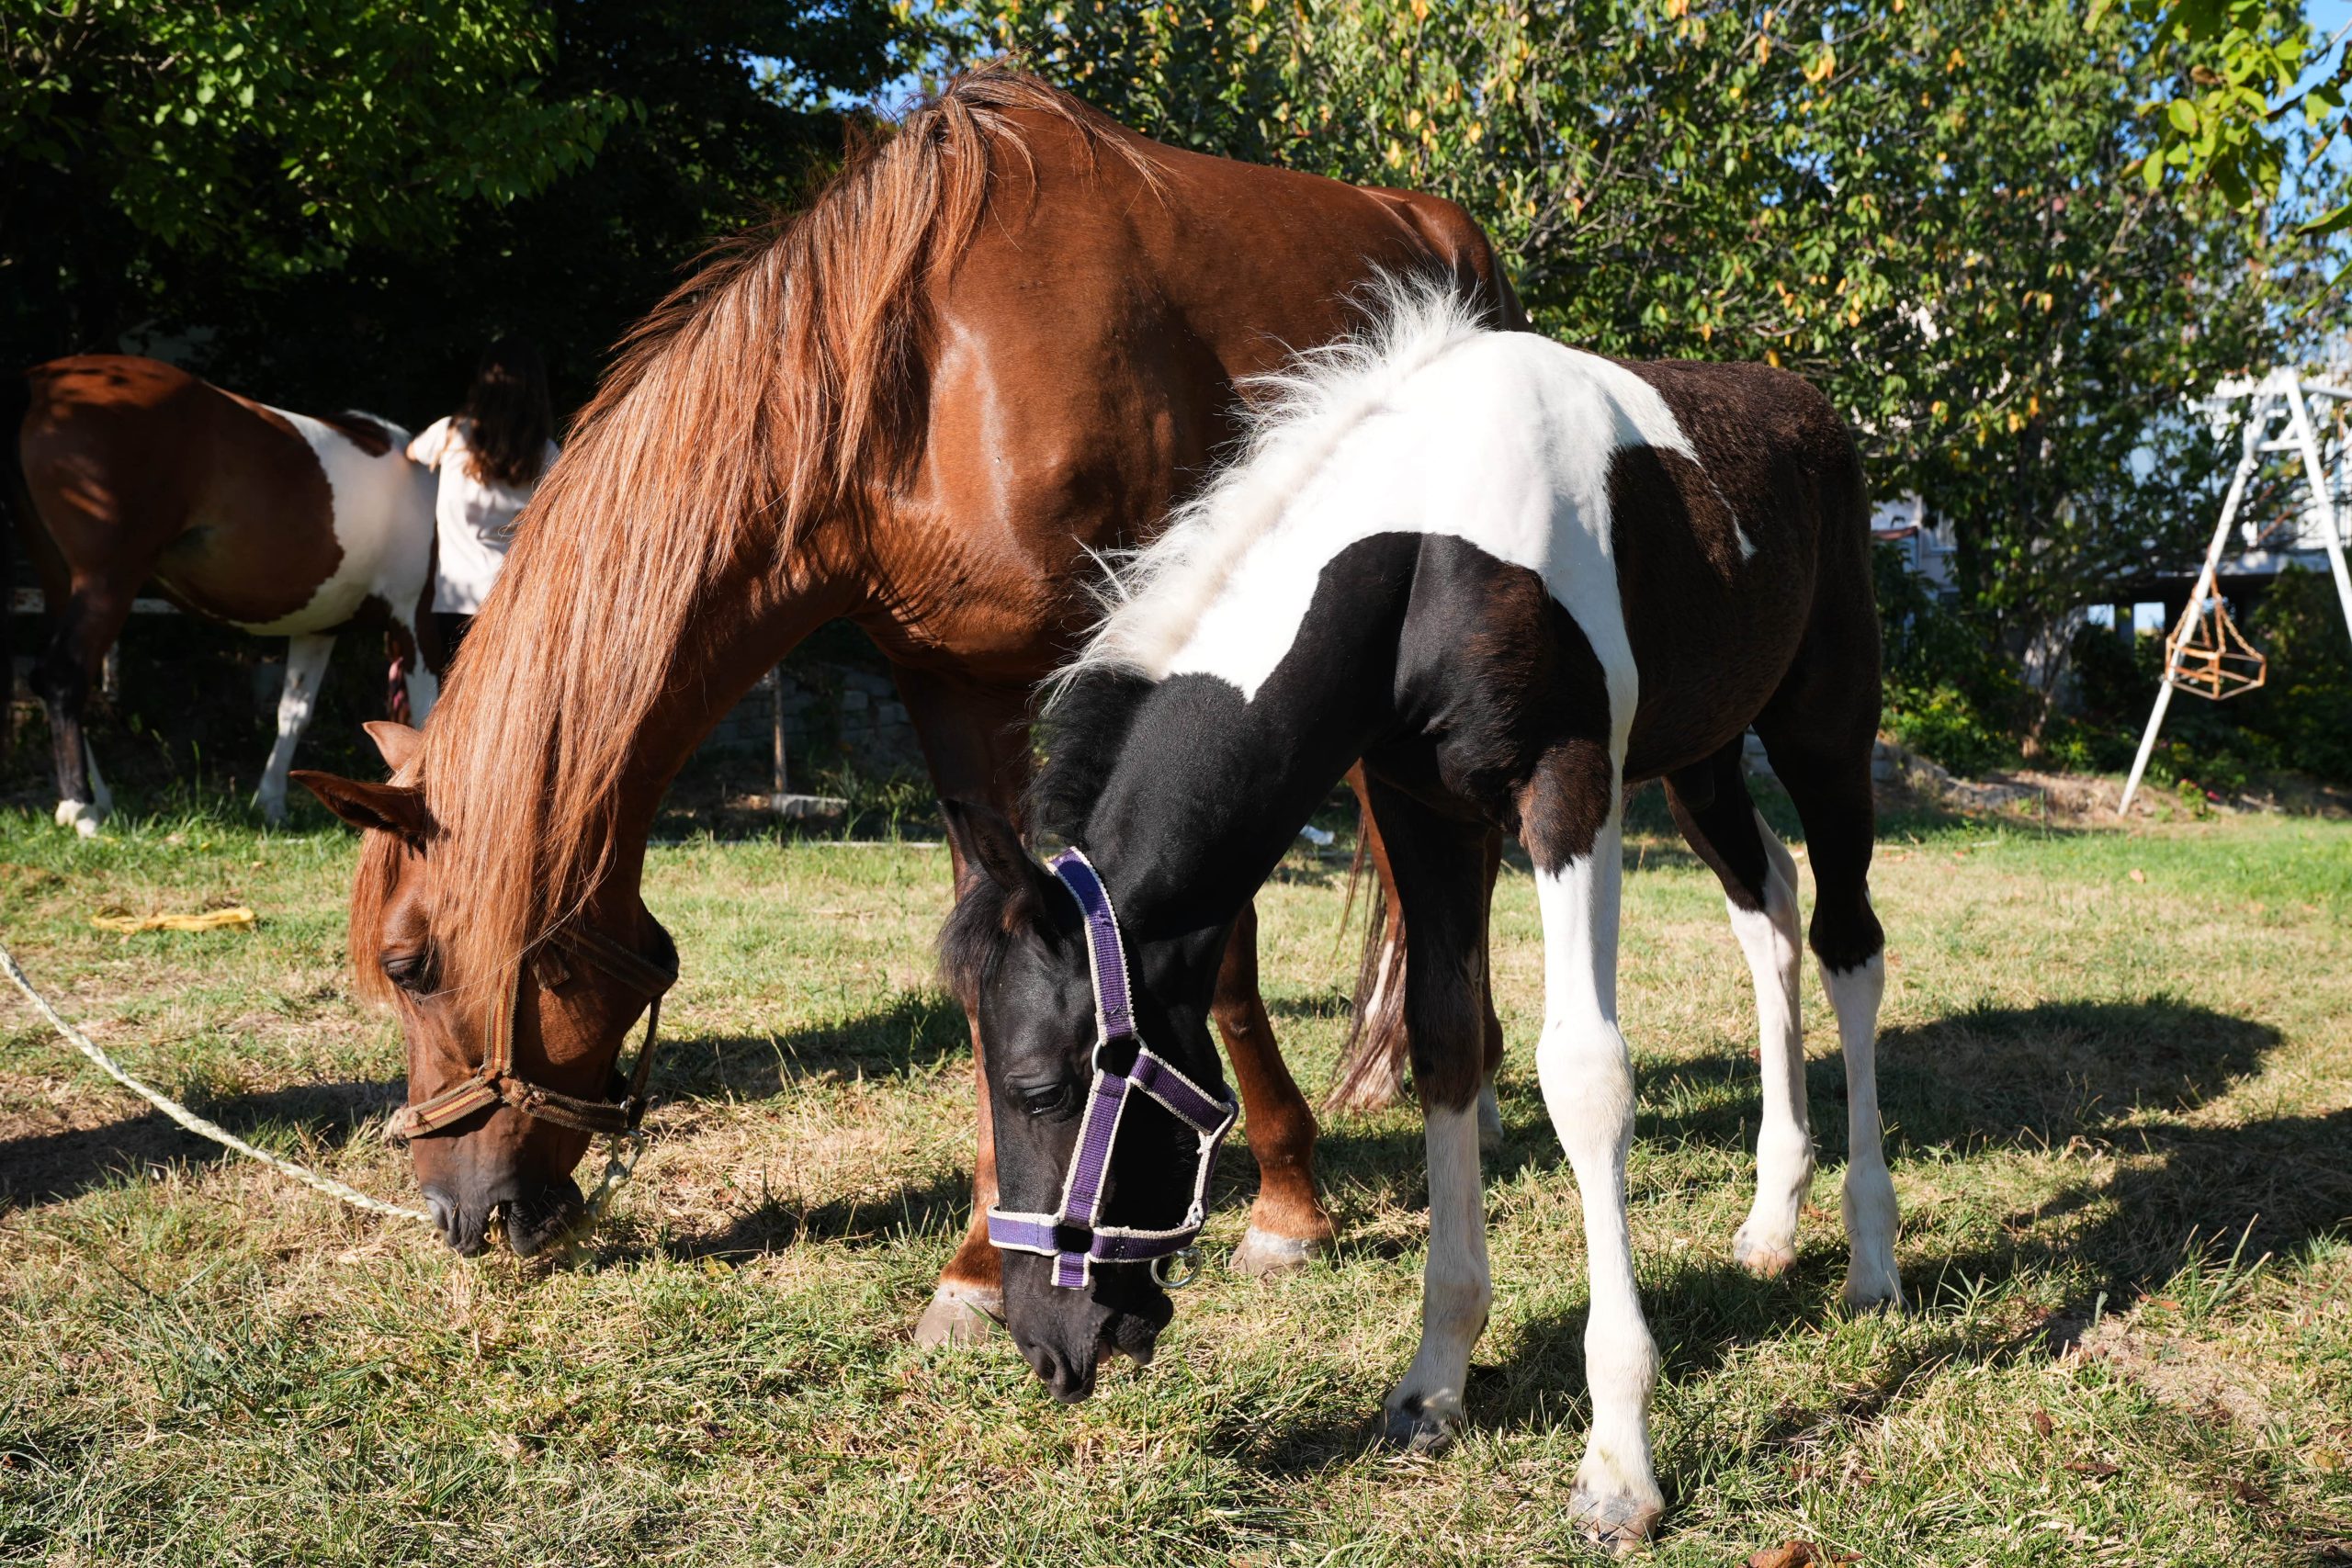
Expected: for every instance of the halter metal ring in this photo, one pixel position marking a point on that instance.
(1163, 1269)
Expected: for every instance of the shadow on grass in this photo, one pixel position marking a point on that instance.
(53, 1168)
(2045, 1076)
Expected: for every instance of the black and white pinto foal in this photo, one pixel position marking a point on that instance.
(1510, 578)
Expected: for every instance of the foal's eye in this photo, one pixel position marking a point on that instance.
(409, 971)
(1046, 1100)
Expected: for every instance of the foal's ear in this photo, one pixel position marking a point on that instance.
(385, 809)
(396, 743)
(992, 849)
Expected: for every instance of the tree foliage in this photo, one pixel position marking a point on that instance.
(338, 203)
(2252, 85)
(1930, 208)
(272, 135)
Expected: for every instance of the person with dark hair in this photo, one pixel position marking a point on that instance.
(490, 455)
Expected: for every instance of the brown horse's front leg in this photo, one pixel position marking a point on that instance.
(1287, 1223)
(975, 741)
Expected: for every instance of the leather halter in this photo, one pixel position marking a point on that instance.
(496, 1082)
(1073, 1235)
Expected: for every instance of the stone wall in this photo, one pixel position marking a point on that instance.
(835, 717)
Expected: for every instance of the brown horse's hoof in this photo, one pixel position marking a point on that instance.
(1265, 1256)
(959, 1314)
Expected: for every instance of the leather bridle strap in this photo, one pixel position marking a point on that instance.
(496, 1082)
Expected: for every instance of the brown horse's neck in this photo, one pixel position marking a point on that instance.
(765, 619)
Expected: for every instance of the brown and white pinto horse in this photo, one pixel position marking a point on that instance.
(123, 471)
(1003, 340)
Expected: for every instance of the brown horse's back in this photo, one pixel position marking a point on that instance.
(137, 468)
(1098, 324)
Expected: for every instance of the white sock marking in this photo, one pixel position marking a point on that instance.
(1588, 1080)
(1456, 1286)
(1869, 1196)
(306, 666)
(1773, 941)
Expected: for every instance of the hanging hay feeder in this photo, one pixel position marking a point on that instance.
(2208, 655)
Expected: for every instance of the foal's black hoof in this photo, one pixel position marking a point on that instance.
(1414, 1428)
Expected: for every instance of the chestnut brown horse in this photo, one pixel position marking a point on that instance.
(1004, 339)
(123, 471)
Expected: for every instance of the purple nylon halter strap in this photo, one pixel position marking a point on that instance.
(1072, 1236)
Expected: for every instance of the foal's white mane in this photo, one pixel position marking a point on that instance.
(1294, 420)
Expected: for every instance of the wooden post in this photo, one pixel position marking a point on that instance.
(779, 784)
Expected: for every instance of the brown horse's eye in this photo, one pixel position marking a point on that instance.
(412, 972)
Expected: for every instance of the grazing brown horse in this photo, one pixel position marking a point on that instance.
(1004, 339)
(123, 471)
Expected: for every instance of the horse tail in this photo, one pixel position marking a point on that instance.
(1371, 1074)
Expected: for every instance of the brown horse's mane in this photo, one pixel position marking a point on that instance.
(778, 386)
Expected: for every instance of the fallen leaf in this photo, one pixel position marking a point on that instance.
(2043, 1424)
(2097, 1469)
(2139, 875)
(1788, 1554)
(2252, 1497)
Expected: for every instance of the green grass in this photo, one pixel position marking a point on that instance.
(2121, 1116)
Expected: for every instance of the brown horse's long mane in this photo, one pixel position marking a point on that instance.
(780, 386)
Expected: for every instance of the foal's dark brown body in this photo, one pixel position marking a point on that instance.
(1073, 369)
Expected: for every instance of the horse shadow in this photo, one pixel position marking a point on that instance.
(43, 1168)
(2055, 1076)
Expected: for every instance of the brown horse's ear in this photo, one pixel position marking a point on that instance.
(396, 743)
(992, 849)
(383, 807)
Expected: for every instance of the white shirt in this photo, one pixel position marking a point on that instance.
(473, 518)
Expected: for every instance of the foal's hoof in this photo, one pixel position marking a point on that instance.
(1619, 1522)
(1761, 1255)
(1265, 1256)
(1417, 1429)
(81, 816)
(959, 1314)
(1870, 1287)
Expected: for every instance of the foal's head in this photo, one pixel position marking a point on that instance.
(1016, 951)
(570, 1019)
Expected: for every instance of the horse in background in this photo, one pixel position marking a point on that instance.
(1005, 339)
(1509, 579)
(123, 471)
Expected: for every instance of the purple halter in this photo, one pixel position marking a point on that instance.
(1071, 1235)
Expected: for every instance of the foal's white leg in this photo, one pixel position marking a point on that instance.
(1773, 941)
(1589, 1088)
(306, 664)
(1456, 1287)
(1869, 1197)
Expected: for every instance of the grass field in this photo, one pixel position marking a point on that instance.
(2117, 1069)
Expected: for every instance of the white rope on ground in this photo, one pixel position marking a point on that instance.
(197, 1125)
